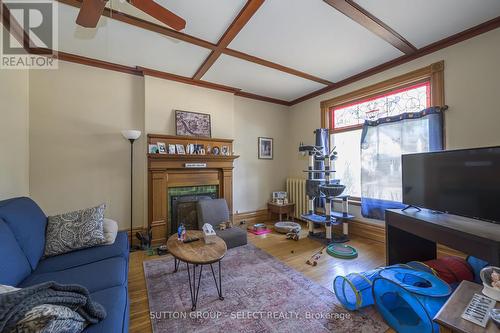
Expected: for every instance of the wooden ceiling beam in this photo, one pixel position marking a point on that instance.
(262, 98)
(266, 63)
(239, 22)
(360, 15)
(431, 48)
(146, 25)
(186, 80)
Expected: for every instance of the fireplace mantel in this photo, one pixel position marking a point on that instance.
(166, 171)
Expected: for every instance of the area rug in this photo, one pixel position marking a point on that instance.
(261, 294)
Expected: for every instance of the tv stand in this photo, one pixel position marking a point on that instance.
(413, 235)
(411, 206)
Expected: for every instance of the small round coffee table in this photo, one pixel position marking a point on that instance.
(196, 254)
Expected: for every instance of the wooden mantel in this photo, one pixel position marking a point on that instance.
(167, 170)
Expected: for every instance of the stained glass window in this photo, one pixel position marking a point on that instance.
(414, 98)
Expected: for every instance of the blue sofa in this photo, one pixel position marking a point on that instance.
(103, 270)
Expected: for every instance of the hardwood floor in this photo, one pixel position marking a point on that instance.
(293, 253)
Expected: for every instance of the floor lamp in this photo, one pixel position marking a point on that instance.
(131, 135)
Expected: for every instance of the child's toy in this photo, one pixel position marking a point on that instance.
(293, 234)
(145, 239)
(408, 299)
(313, 261)
(161, 250)
(354, 290)
(209, 233)
(452, 270)
(342, 251)
(181, 233)
(260, 231)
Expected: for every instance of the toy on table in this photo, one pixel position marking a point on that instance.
(181, 233)
(313, 261)
(209, 233)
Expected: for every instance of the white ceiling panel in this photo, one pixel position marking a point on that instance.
(205, 19)
(423, 22)
(258, 79)
(125, 44)
(311, 36)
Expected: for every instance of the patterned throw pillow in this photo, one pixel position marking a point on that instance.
(75, 230)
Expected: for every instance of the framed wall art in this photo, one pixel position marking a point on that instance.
(193, 124)
(265, 148)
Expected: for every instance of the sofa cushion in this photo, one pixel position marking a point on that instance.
(233, 236)
(14, 267)
(110, 229)
(115, 301)
(77, 258)
(95, 276)
(27, 222)
(75, 230)
(213, 212)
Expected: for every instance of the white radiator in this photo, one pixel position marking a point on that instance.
(296, 188)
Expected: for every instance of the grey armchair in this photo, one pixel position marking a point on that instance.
(216, 212)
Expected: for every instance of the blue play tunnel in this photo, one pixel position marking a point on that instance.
(408, 299)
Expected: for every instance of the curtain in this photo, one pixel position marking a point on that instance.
(383, 141)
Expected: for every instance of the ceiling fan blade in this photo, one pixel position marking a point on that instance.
(90, 12)
(160, 13)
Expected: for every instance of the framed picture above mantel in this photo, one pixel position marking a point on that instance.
(193, 124)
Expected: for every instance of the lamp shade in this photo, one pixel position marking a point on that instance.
(131, 134)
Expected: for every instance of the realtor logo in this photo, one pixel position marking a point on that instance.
(28, 24)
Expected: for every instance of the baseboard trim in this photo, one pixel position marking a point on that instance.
(252, 217)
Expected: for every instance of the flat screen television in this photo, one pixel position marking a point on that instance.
(462, 182)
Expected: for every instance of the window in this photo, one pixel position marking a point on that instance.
(346, 122)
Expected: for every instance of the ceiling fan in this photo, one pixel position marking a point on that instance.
(91, 11)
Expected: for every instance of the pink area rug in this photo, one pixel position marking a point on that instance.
(261, 295)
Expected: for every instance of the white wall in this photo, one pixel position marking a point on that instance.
(255, 179)
(162, 97)
(472, 85)
(78, 156)
(232, 117)
(14, 123)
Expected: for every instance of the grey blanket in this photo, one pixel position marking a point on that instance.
(16, 304)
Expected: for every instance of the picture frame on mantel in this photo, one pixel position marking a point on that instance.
(193, 124)
(265, 148)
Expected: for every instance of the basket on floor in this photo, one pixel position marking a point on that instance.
(409, 299)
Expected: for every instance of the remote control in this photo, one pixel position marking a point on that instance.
(189, 240)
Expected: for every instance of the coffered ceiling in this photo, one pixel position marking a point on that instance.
(283, 51)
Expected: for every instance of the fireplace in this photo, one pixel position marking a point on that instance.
(182, 205)
(182, 180)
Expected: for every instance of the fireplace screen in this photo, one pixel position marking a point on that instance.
(182, 205)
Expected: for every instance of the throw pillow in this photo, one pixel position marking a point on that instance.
(75, 230)
(110, 231)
